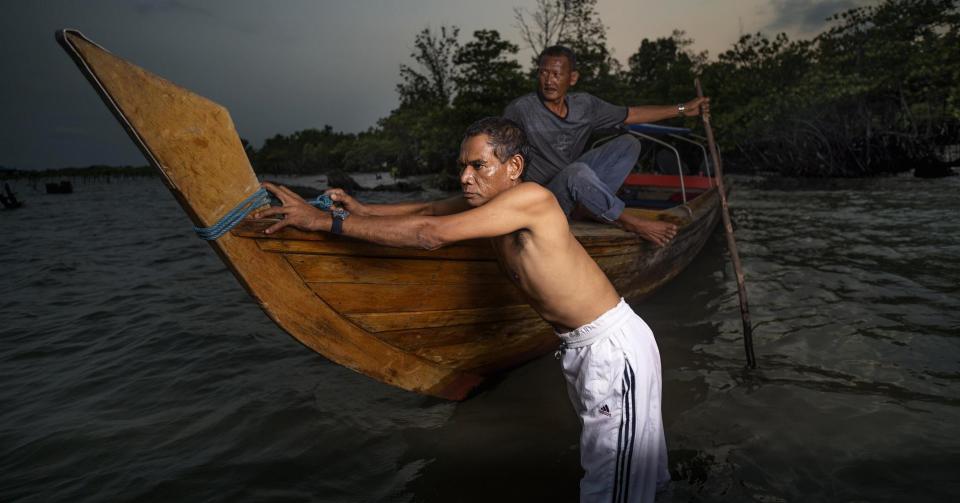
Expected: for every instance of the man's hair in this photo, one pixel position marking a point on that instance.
(505, 136)
(557, 51)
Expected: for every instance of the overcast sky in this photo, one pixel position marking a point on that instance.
(288, 65)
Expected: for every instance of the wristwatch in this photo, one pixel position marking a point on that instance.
(680, 109)
(338, 216)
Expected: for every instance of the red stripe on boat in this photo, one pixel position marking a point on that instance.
(690, 182)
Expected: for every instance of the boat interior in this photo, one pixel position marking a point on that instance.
(658, 192)
(665, 176)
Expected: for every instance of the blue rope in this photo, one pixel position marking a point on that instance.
(256, 200)
(322, 201)
(234, 216)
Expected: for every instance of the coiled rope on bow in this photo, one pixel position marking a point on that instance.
(238, 213)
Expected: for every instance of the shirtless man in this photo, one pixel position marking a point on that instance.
(558, 125)
(610, 358)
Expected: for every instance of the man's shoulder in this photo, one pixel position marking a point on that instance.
(532, 203)
(581, 98)
(531, 193)
(533, 188)
(524, 102)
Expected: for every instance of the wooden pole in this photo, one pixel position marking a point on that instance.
(731, 243)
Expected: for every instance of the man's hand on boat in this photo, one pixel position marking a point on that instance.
(296, 211)
(347, 201)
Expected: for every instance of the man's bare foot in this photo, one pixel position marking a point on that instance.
(656, 231)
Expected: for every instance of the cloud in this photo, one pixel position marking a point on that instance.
(807, 16)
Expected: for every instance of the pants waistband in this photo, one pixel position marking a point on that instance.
(596, 329)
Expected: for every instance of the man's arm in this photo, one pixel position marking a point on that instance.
(446, 206)
(655, 113)
(517, 208)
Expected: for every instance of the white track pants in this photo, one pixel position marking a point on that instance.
(612, 367)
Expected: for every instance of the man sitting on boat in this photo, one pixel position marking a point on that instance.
(609, 356)
(558, 125)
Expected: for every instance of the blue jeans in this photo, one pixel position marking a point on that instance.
(594, 179)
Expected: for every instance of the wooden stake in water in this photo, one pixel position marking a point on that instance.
(731, 243)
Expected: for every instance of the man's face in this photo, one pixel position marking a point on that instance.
(482, 175)
(555, 77)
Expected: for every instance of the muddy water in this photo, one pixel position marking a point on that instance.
(135, 368)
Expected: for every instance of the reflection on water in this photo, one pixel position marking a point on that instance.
(135, 367)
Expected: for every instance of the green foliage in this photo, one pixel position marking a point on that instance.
(451, 86)
(307, 151)
(433, 84)
(875, 92)
(575, 24)
(488, 77)
(587, 37)
(661, 70)
(543, 26)
(753, 86)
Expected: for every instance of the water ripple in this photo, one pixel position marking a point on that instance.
(136, 368)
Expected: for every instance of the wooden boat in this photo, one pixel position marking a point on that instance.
(434, 322)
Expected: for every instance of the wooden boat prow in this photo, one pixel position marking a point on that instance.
(194, 144)
(433, 322)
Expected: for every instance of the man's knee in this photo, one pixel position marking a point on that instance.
(628, 143)
(578, 173)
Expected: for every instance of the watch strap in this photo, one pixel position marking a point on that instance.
(338, 215)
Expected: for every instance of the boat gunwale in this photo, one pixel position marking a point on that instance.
(589, 234)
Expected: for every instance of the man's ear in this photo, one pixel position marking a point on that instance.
(515, 167)
(574, 76)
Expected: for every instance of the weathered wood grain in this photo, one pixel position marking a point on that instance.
(395, 271)
(352, 298)
(382, 322)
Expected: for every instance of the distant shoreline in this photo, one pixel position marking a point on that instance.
(88, 171)
(415, 183)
